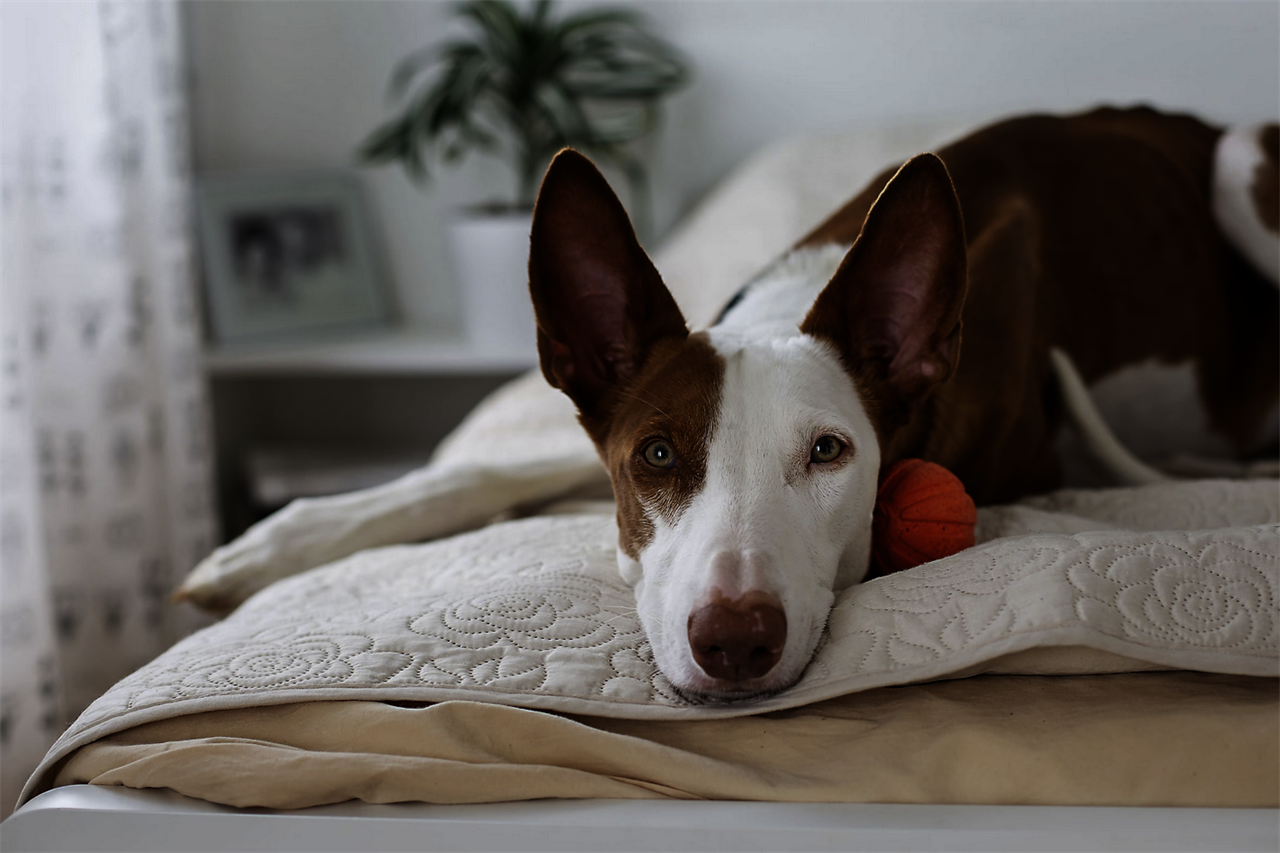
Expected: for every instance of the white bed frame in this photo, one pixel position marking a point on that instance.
(93, 818)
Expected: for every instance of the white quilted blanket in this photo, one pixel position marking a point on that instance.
(532, 613)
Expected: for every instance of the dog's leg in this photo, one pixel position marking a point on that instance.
(436, 501)
(476, 475)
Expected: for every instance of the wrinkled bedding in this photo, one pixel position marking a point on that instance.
(1146, 739)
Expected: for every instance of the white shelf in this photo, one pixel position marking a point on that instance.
(407, 351)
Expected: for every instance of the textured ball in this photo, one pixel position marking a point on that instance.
(922, 513)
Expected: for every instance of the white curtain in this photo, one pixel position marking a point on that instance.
(105, 468)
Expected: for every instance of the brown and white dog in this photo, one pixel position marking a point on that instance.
(744, 458)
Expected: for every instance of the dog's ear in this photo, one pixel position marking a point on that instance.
(892, 309)
(600, 304)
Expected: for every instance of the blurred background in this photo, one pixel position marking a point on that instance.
(213, 303)
(302, 84)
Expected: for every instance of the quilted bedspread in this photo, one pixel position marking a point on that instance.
(532, 613)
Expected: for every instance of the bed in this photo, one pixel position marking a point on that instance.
(1102, 662)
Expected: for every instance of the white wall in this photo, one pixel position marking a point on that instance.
(300, 83)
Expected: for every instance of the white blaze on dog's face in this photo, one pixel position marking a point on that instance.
(744, 460)
(783, 515)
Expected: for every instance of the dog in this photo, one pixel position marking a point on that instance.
(744, 457)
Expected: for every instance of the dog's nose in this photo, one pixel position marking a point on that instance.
(740, 638)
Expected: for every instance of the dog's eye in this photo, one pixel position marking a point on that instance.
(659, 454)
(826, 449)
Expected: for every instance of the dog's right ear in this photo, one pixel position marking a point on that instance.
(600, 304)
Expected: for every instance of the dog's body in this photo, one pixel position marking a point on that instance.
(1094, 234)
(745, 458)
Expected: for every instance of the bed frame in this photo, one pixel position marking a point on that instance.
(93, 818)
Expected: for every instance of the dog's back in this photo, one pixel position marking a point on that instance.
(1096, 234)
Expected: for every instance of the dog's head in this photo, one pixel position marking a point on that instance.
(744, 458)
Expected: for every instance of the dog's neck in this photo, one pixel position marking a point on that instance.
(773, 304)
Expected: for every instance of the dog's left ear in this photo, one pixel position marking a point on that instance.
(892, 309)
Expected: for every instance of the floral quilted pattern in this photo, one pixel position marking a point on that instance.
(532, 613)
(1215, 596)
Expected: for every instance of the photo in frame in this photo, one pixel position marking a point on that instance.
(287, 257)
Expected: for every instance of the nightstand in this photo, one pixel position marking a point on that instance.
(293, 420)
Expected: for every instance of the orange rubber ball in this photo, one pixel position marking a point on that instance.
(922, 513)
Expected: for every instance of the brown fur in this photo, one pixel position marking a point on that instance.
(912, 244)
(600, 304)
(675, 398)
(611, 337)
(1092, 233)
(1266, 180)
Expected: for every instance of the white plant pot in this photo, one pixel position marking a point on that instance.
(491, 262)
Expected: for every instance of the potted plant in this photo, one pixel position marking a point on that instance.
(522, 84)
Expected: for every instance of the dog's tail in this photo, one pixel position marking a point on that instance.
(1126, 468)
(1246, 194)
(1246, 205)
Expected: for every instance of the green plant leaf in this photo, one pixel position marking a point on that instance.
(408, 68)
(593, 20)
(499, 26)
(383, 144)
(540, 14)
(591, 79)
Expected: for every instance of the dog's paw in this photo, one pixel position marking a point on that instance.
(432, 502)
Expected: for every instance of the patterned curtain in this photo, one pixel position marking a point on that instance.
(105, 469)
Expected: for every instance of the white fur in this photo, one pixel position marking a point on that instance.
(777, 300)
(766, 519)
(1235, 161)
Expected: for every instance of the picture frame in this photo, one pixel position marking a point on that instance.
(287, 257)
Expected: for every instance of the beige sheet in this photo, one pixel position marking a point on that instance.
(1144, 739)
